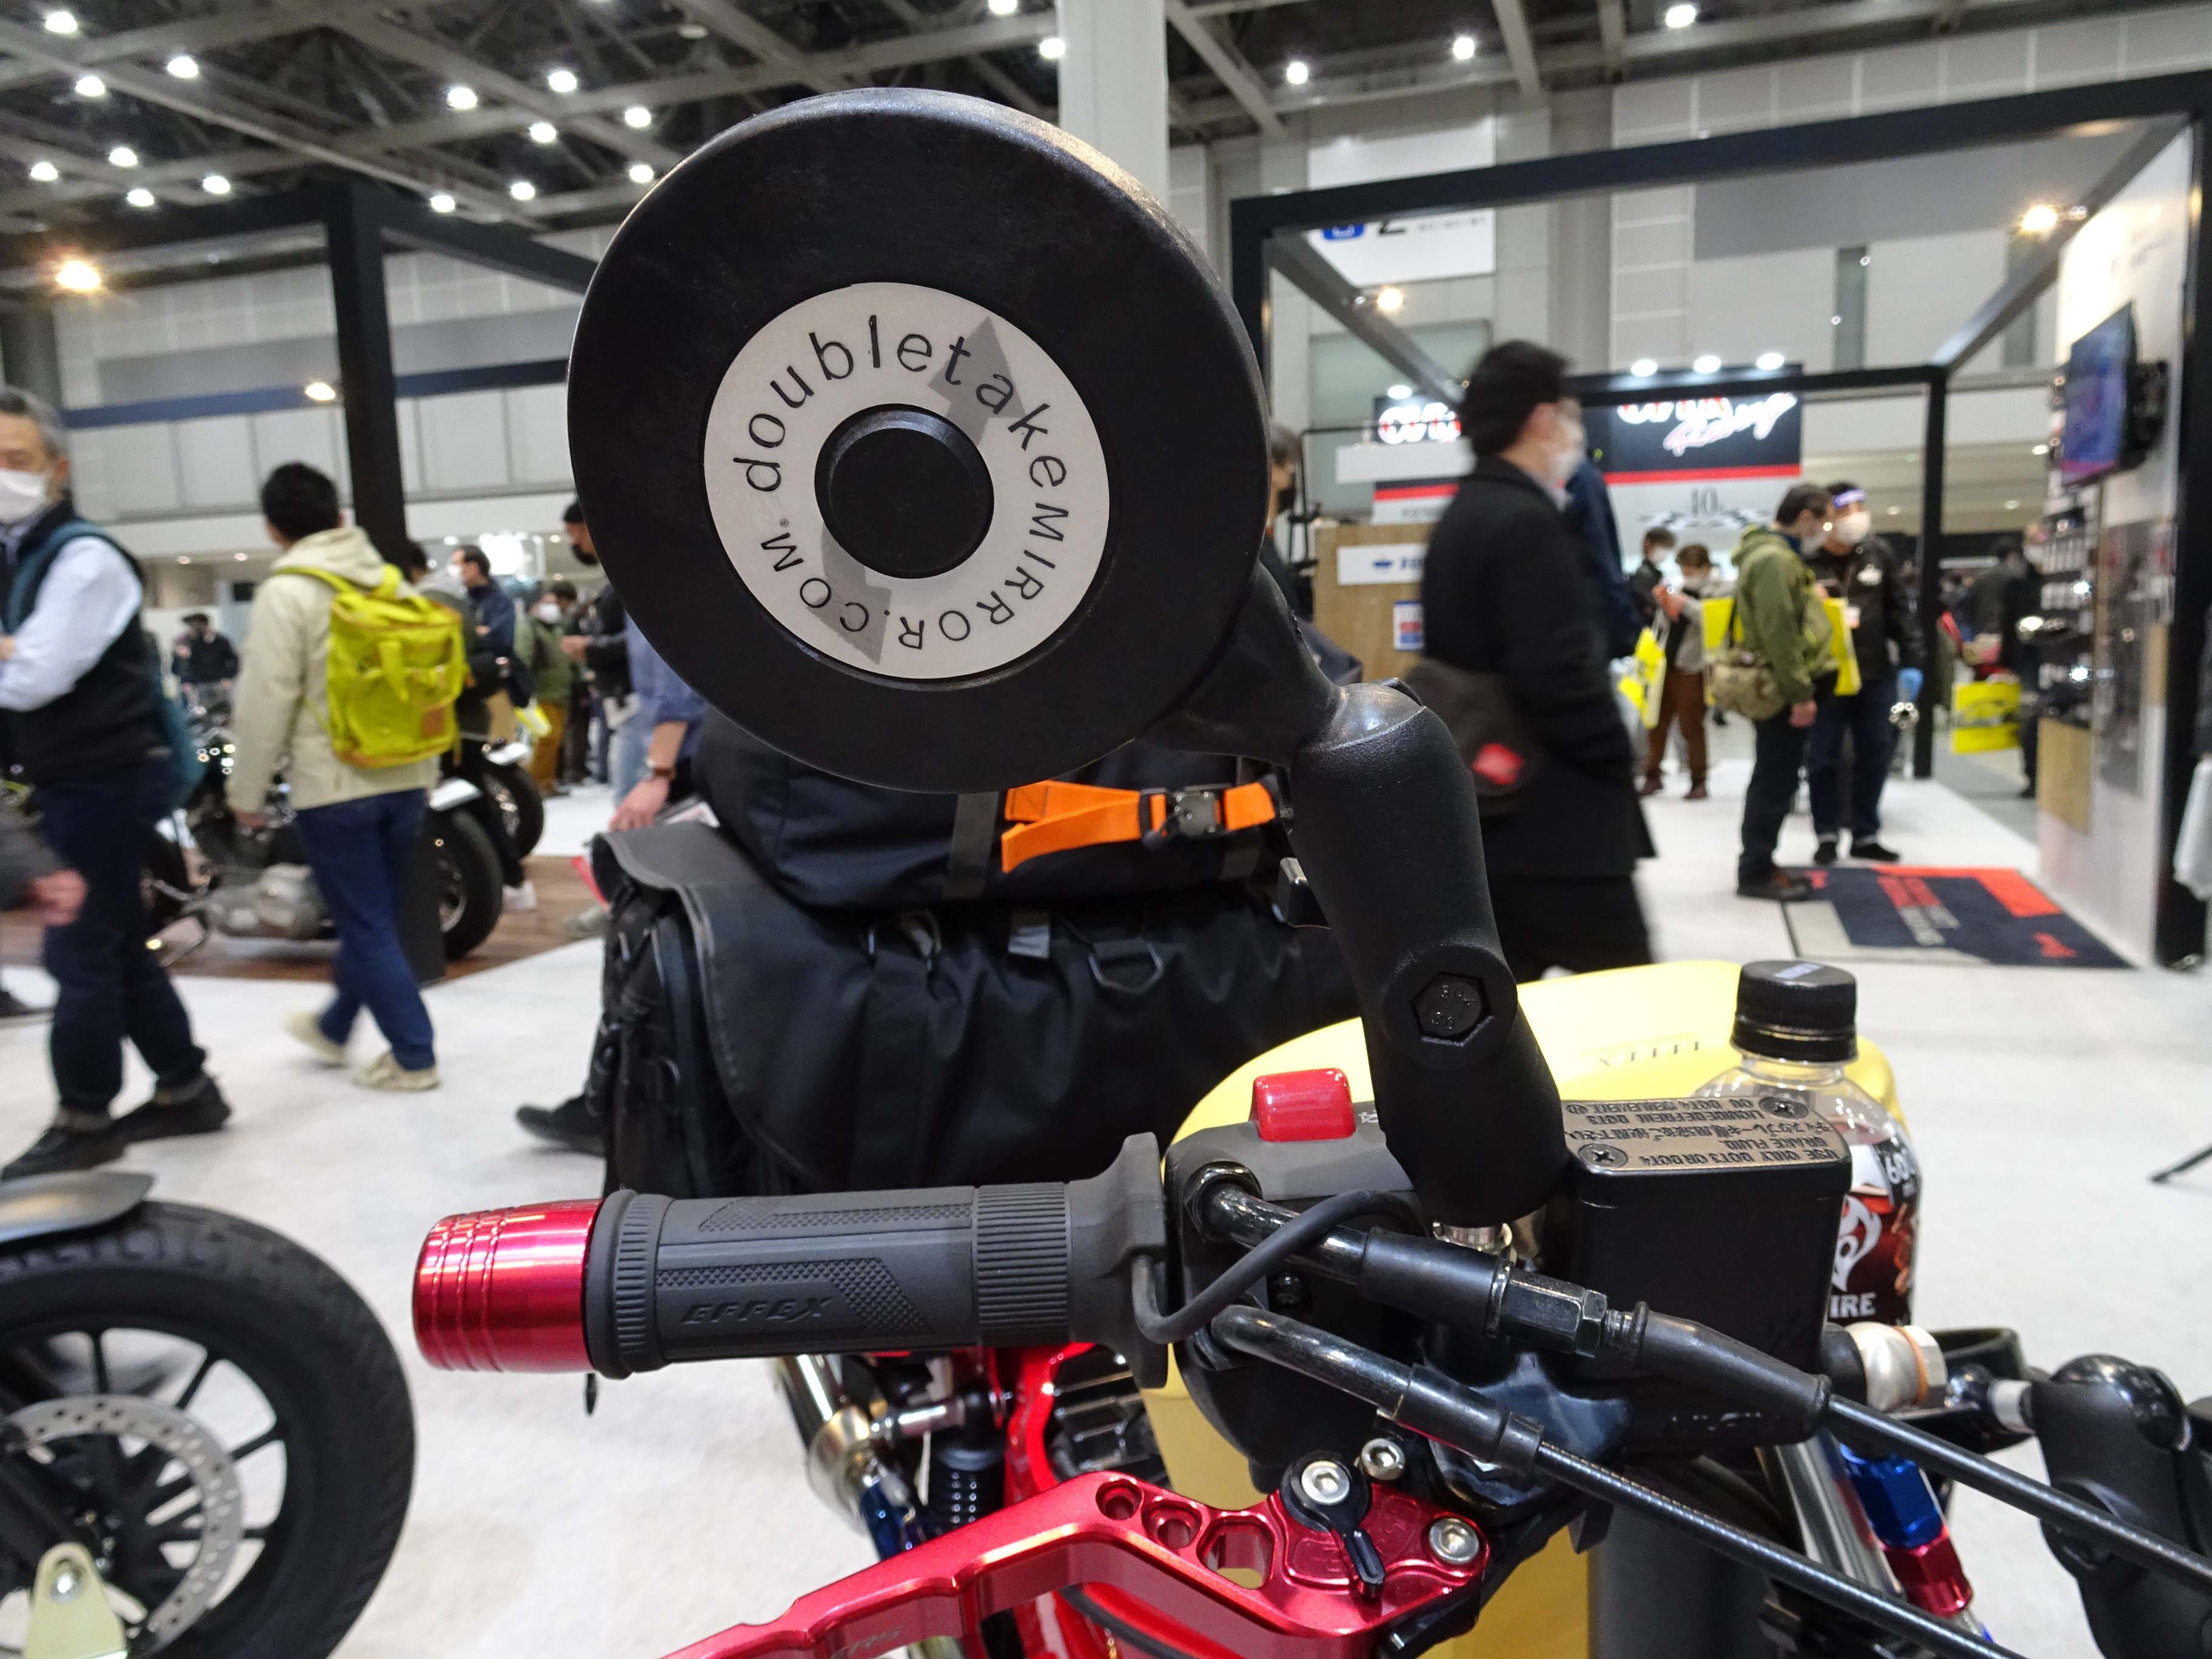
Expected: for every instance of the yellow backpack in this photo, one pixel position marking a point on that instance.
(396, 667)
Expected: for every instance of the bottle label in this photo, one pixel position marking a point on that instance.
(1881, 1225)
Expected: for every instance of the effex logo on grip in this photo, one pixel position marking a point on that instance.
(880, 344)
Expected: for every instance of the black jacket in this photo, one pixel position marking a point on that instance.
(1868, 577)
(1503, 591)
(606, 651)
(206, 661)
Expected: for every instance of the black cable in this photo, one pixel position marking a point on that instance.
(2069, 1514)
(1288, 1240)
(1122, 1632)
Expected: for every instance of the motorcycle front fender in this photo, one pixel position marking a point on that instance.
(37, 1207)
(509, 754)
(453, 793)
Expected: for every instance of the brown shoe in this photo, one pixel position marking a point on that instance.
(1696, 793)
(1651, 786)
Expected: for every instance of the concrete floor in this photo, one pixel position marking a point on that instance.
(2039, 1099)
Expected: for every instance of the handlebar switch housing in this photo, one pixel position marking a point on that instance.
(1271, 1415)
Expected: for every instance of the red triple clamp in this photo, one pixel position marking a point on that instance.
(1169, 1551)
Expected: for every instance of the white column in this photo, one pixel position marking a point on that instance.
(1114, 84)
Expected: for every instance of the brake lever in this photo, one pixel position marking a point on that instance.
(1166, 1549)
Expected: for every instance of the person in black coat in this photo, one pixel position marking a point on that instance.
(1504, 591)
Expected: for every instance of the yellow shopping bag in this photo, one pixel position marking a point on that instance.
(1649, 677)
(1842, 659)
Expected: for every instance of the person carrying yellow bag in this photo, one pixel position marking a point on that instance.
(349, 683)
(1776, 665)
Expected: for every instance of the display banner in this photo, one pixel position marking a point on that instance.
(1681, 440)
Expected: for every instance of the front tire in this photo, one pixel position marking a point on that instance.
(252, 1300)
(468, 883)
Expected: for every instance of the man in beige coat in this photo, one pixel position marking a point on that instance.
(358, 827)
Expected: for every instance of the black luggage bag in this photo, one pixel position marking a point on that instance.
(748, 1045)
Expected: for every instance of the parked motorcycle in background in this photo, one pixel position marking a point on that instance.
(202, 866)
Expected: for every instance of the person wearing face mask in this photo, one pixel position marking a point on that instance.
(1681, 614)
(1778, 619)
(603, 648)
(553, 677)
(80, 686)
(1512, 616)
(1856, 566)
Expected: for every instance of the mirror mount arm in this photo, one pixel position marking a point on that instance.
(1384, 820)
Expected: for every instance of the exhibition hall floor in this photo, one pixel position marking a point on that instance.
(2040, 1098)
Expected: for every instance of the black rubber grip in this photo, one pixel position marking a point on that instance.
(927, 1269)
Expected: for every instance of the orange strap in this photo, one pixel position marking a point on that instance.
(1057, 817)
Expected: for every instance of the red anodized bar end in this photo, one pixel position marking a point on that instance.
(503, 1290)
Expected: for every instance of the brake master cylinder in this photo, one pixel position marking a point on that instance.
(1796, 1029)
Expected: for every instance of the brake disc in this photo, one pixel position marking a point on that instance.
(206, 1465)
(920, 439)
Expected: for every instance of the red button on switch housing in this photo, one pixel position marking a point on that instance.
(1302, 1105)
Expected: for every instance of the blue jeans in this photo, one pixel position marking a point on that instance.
(109, 987)
(627, 744)
(1865, 715)
(362, 852)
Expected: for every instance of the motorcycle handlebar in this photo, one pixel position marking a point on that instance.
(637, 1282)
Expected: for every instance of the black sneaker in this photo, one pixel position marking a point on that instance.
(1867, 848)
(14, 1010)
(200, 1111)
(571, 1124)
(1780, 888)
(1826, 851)
(60, 1148)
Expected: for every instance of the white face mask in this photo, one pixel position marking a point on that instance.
(547, 612)
(1851, 528)
(22, 495)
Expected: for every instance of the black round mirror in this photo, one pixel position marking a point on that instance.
(920, 439)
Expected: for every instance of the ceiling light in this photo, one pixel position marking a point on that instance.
(693, 31)
(460, 97)
(78, 277)
(215, 184)
(61, 23)
(1005, 8)
(184, 66)
(1399, 391)
(442, 202)
(1769, 360)
(1390, 299)
(1706, 363)
(139, 196)
(522, 190)
(1680, 15)
(641, 172)
(637, 115)
(184, 558)
(2012, 506)
(1052, 48)
(2040, 449)
(1835, 322)
(561, 80)
(1644, 366)
(1463, 47)
(542, 132)
(1297, 71)
(239, 558)
(123, 156)
(2040, 220)
(45, 172)
(91, 86)
(1895, 511)
(318, 391)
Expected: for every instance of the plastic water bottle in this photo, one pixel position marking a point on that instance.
(1796, 1027)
